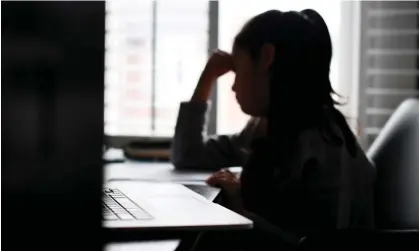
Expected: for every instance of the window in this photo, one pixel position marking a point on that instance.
(156, 50)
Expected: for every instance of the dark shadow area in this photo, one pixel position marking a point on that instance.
(52, 124)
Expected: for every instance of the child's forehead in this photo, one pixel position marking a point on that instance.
(235, 51)
(234, 54)
(235, 48)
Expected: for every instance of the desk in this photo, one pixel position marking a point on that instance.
(132, 170)
(164, 172)
(165, 245)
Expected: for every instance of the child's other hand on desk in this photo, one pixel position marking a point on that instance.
(230, 184)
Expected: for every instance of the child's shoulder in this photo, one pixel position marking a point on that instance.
(329, 151)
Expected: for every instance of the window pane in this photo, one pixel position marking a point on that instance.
(230, 119)
(128, 68)
(181, 53)
(141, 96)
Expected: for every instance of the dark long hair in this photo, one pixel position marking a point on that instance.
(301, 92)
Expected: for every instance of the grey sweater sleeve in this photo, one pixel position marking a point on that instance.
(193, 148)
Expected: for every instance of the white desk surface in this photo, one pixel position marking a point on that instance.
(166, 245)
(134, 170)
(159, 172)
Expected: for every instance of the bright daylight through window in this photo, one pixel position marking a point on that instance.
(156, 50)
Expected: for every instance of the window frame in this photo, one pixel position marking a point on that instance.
(351, 22)
(213, 13)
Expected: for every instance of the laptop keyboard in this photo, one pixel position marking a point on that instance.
(116, 206)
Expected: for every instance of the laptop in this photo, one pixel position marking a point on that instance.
(165, 206)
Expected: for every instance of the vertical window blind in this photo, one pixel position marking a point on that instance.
(389, 62)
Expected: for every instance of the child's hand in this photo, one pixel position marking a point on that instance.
(230, 184)
(219, 64)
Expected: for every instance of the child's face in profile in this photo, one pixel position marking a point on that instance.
(251, 84)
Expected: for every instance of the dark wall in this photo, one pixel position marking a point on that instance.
(52, 124)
